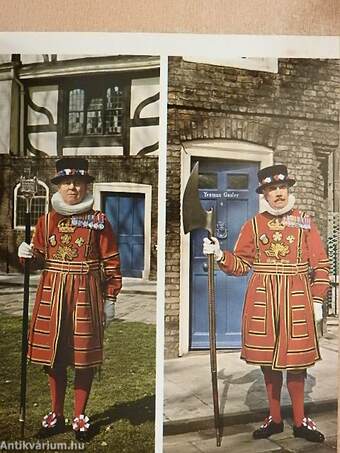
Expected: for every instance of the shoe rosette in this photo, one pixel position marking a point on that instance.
(81, 423)
(49, 420)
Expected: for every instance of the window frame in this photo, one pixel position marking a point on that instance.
(64, 82)
(15, 204)
(90, 84)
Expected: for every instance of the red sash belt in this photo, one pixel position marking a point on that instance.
(72, 267)
(280, 268)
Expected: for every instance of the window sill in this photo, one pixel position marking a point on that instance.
(95, 140)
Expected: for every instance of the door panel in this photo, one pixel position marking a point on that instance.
(126, 214)
(229, 188)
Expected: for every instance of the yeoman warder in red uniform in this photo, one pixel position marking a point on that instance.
(76, 295)
(282, 246)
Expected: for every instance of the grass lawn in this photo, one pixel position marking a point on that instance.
(121, 404)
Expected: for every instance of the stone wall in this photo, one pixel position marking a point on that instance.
(294, 112)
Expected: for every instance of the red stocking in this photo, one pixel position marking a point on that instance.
(296, 389)
(82, 386)
(57, 379)
(273, 381)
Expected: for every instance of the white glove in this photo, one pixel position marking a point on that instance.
(25, 250)
(109, 311)
(212, 247)
(318, 311)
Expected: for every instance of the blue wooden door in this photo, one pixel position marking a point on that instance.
(229, 188)
(125, 212)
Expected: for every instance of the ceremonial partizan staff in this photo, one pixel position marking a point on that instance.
(28, 188)
(195, 217)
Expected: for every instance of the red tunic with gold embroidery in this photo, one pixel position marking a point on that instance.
(278, 327)
(81, 269)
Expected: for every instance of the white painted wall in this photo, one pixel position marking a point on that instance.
(5, 58)
(5, 115)
(43, 96)
(44, 141)
(141, 137)
(94, 151)
(47, 97)
(142, 89)
(33, 58)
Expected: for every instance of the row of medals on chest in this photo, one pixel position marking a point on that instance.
(66, 227)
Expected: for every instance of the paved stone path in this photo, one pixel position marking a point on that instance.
(136, 303)
(238, 439)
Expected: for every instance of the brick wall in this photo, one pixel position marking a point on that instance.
(105, 169)
(294, 112)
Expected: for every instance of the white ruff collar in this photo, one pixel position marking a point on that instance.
(277, 212)
(63, 208)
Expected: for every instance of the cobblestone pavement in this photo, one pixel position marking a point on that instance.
(133, 305)
(238, 439)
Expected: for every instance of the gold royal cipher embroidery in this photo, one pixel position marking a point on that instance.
(65, 253)
(277, 250)
(65, 239)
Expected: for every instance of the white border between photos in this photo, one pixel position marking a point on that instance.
(164, 45)
(161, 241)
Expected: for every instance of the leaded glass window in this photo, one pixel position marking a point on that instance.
(38, 208)
(95, 109)
(114, 110)
(76, 112)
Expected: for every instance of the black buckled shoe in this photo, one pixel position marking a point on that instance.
(308, 431)
(81, 428)
(51, 424)
(268, 428)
